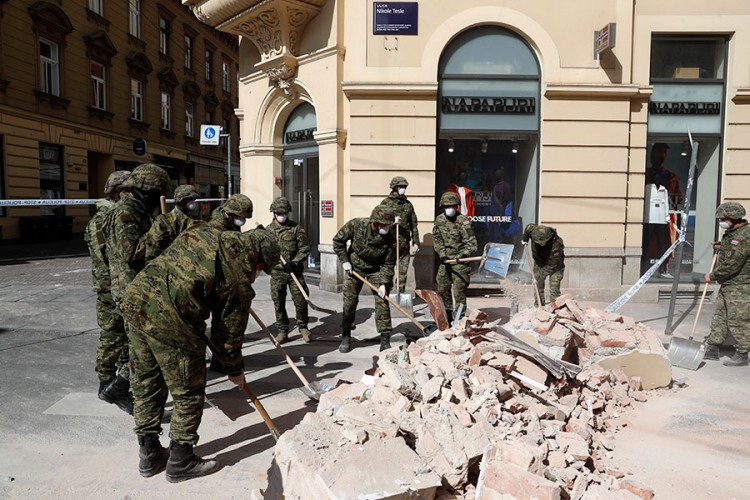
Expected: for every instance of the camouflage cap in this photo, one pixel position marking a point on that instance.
(730, 210)
(116, 181)
(399, 181)
(281, 206)
(238, 204)
(185, 192)
(382, 215)
(542, 234)
(449, 199)
(149, 177)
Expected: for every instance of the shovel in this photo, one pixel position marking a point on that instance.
(688, 353)
(403, 299)
(312, 390)
(533, 278)
(495, 258)
(426, 330)
(304, 294)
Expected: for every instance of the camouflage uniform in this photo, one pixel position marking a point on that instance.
(205, 272)
(549, 258)
(408, 228)
(167, 226)
(453, 239)
(372, 256)
(294, 245)
(732, 314)
(237, 206)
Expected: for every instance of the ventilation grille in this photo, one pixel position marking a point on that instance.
(683, 296)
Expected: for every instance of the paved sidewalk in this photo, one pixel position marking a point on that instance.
(59, 441)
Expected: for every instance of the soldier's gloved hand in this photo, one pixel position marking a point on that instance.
(347, 267)
(297, 267)
(287, 267)
(443, 259)
(382, 291)
(524, 242)
(397, 220)
(413, 249)
(238, 380)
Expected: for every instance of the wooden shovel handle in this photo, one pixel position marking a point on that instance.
(163, 204)
(533, 278)
(703, 297)
(375, 289)
(294, 277)
(465, 259)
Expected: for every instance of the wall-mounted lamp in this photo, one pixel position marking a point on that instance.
(484, 146)
(451, 146)
(685, 149)
(70, 161)
(514, 148)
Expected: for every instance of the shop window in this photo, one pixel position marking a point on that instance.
(98, 98)
(166, 111)
(136, 99)
(687, 58)
(49, 70)
(134, 8)
(51, 178)
(188, 52)
(2, 175)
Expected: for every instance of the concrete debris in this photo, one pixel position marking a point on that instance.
(468, 413)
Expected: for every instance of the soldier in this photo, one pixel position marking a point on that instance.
(372, 254)
(454, 239)
(205, 272)
(294, 245)
(124, 226)
(549, 258)
(732, 271)
(406, 223)
(233, 214)
(167, 226)
(110, 357)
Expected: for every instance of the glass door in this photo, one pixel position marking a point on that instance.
(301, 188)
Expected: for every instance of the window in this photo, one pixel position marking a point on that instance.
(166, 111)
(51, 177)
(2, 177)
(49, 55)
(688, 58)
(97, 6)
(209, 117)
(98, 86)
(225, 76)
(136, 99)
(209, 64)
(189, 121)
(163, 36)
(135, 17)
(188, 52)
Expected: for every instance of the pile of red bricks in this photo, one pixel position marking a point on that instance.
(470, 413)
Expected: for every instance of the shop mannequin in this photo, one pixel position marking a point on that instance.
(465, 194)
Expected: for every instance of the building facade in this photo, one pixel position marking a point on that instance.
(92, 86)
(575, 116)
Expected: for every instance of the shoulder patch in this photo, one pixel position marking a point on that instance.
(466, 222)
(735, 242)
(301, 229)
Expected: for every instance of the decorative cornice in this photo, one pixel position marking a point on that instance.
(260, 150)
(368, 89)
(742, 96)
(333, 136)
(596, 91)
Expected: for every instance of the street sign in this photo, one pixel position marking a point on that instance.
(326, 208)
(604, 39)
(395, 18)
(210, 135)
(139, 147)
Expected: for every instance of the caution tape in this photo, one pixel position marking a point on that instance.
(72, 201)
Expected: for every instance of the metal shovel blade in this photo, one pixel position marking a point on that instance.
(405, 301)
(497, 258)
(314, 390)
(686, 353)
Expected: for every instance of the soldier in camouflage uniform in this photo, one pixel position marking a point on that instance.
(549, 258)
(206, 272)
(110, 357)
(167, 226)
(294, 245)
(406, 223)
(233, 214)
(454, 239)
(732, 271)
(372, 254)
(123, 228)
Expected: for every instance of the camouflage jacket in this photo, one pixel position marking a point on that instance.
(454, 239)
(124, 227)
(409, 228)
(551, 255)
(175, 294)
(733, 267)
(369, 252)
(94, 237)
(163, 232)
(293, 241)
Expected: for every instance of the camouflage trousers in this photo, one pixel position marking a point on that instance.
(452, 281)
(280, 280)
(352, 287)
(112, 350)
(403, 268)
(555, 278)
(731, 316)
(158, 369)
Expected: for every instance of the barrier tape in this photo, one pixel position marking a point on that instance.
(69, 201)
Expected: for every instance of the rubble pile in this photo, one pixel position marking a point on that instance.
(473, 412)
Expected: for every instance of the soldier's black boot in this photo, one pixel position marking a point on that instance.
(712, 352)
(346, 338)
(739, 359)
(153, 457)
(118, 393)
(385, 341)
(183, 464)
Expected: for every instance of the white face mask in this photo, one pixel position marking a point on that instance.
(281, 218)
(724, 224)
(384, 230)
(192, 206)
(401, 191)
(239, 221)
(450, 212)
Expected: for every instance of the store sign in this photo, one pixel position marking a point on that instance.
(297, 136)
(326, 208)
(684, 108)
(502, 105)
(604, 39)
(395, 18)
(139, 147)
